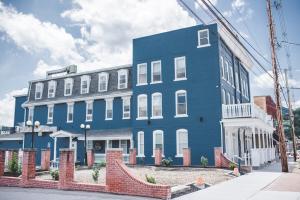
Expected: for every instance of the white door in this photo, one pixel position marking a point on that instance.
(74, 146)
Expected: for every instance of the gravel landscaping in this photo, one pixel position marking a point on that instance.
(163, 175)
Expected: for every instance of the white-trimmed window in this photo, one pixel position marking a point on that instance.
(228, 98)
(156, 106)
(141, 144)
(180, 68)
(142, 74)
(103, 82)
(122, 78)
(70, 112)
(181, 141)
(50, 114)
(89, 111)
(237, 81)
(222, 67)
(30, 114)
(227, 71)
(126, 107)
(51, 89)
(142, 106)
(203, 38)
(39, 90)
(223, 96)
(156, 72)
(181, 103)
(85, 84)
(158, 141)
(109, 109)
(68, 86)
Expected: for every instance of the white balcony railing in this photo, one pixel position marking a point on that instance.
(21, 128)
(245, 110)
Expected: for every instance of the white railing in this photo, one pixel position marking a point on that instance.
(100, 157)
(42, 128)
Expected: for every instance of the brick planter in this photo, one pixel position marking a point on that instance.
(66, 167)
(28, 167)
(2, 162)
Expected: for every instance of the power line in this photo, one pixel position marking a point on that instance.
(293, 43)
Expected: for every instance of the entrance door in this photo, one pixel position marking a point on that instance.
(74, 146)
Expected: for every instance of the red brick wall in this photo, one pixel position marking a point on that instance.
(28, 168)
(66, 167)
(2, 162)
(132, 156)
(158, 157)
(186, 157)
(45, 159)
(90, 158)
(220, 159)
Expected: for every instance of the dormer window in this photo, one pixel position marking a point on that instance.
(103, 82)
(68, 86)
(122, 79)
(39, 90)
(51, 89)
(85, 84)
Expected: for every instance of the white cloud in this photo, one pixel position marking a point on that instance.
(42, 68)
(296, 104)
(238, 4)
(7, 105)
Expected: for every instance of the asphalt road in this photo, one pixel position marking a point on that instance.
(13, 193)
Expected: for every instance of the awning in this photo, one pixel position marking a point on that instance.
(108, 134)
(12, 136)
(62, 133)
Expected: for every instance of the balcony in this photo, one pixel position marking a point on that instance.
(21, 128)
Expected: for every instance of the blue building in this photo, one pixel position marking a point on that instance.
(185, 88)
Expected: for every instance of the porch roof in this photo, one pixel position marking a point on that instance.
(62, 133)
(12, 136)
(105, 134)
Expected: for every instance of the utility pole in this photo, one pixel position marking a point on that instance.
(282, 146)
(291, 115)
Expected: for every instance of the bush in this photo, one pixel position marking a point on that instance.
(150, 179)
(95, 174)
(204, 161)
(102, 164)
(231, 166)
(167, 162)
(54, 174)
(13, 165)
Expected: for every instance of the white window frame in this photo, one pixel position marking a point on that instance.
(203, 45)
(152, 66)
(224, 97)
(100, 75)
(89, 117)
(176, 102)
(39, 87)
(84, 78)
(228, 72)
(68, 81)
(126, 100)
(231, 76)
(138, 74)
(138, 105)
(179, 131)
(140, 135)
(155, 132)
(175, 69)
(50, 119)
(122, 72)
(228, 98)
(30, 114)
(156, 94)
(222, 68)
(51, 83)
(109, 101)
(237, 81)
(69, 111)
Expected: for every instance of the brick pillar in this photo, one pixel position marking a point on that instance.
(132, 156)
(28, 165)
(113, 182)
(66, 167)
(2, 162)
(158, 156)
(218, 160)
(90, 158)
(186, 157)
(45, 159)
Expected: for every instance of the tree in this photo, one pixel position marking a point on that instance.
(297, 121)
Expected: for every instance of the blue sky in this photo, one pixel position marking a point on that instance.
(36, 36)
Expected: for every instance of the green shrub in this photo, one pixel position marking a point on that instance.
(231, 166)
(102, 164)
(204, 161)
(13, 165)
(54, 174)
(167, 162)
(95, 174)
(150, 179)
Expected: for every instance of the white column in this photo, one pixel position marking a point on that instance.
(253, 135)
(55, 140)
(70, 142)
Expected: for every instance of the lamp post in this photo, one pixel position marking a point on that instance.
(85, 127)
(36, 125)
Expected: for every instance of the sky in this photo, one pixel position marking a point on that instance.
(37, 36)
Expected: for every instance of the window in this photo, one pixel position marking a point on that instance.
(109, 109)
(203, 38)
(51, 89)
(103, 82)
(180, 68)
(227, 71)
(70, 112)
(181, 103)
(156, 105)
(222, 68)
(30, 114)
(39, 90)
(50, 114)
(89, 111)
(68, 86)
(158, 141)
(237, 81)
(141, 146)
(231, 75)
(223, 96)
(156, 72)
(85, 84)
(142, 106)
(122, 79)
(124, 146)
(142, 74)
(181, 141)
(126, 107)
(228, 98)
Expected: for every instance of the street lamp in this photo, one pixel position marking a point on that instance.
(36, 125)
(85, 127)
